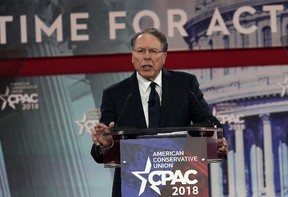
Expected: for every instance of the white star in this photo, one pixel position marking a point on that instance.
(2, 97)
(146, 171)
(284, 86)
(81, 123)
(88, 121)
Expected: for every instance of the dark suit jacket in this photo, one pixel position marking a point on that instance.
(182, 104)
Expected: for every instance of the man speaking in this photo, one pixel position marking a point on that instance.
(152, 97)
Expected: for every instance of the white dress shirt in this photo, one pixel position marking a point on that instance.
(144, 88)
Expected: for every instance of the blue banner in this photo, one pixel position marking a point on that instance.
(164, 167)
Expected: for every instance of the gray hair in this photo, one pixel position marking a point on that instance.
(156, 33)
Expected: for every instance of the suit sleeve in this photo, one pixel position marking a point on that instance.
(200, 110)
(97, 153)
(107, 116)
(108, 111)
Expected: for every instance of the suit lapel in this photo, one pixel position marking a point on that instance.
(135, 103)
(167, 91)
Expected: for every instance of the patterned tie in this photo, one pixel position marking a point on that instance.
(154, 107)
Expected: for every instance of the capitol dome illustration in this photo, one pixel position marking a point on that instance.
(252, 102)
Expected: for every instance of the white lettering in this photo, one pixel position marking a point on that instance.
(23, 29)
(176, 19)
(187, 174)
(25, 98)
(113, 26)
(237, 119)
(168, 153)
(3, 21)
(178, 178)
(41, 26)
(166, 176)
(213, 27)
(236, 20)
(176, 25)
(273, 15)
(163, 165)
(75, 27)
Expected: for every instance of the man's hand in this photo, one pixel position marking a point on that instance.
(222, 147)
(98, 137)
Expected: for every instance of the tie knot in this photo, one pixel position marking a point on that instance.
(152, 85)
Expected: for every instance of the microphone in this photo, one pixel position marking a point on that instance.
(124, 106)
(151, 103)
(208, 123)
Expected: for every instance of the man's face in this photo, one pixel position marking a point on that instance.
(147, 57)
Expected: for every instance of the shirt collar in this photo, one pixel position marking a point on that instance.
(144, 83)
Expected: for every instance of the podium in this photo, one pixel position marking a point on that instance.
(164, 161)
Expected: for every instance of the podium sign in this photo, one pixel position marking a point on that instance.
(164, 167)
